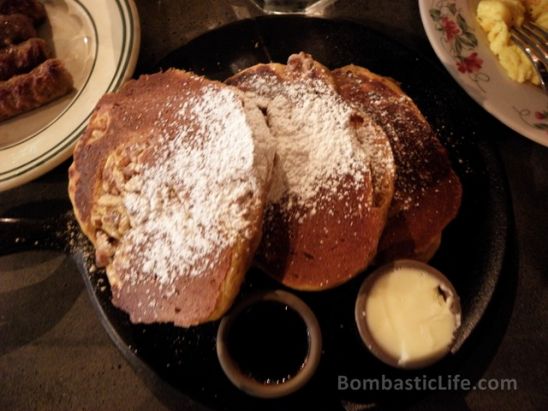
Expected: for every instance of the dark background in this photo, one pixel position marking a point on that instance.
(54, 353)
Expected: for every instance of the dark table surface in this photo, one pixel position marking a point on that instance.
(54, 353)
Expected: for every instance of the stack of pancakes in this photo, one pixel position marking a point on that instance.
(181, 182)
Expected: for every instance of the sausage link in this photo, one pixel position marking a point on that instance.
(48, 81)
(22, 58)
(15, 28)
(31, 8)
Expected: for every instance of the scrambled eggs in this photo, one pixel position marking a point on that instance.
(496, 17)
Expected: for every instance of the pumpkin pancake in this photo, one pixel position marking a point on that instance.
(169, 182)
(427, 192)
(333, 178)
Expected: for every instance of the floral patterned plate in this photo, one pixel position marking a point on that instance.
(462, 46)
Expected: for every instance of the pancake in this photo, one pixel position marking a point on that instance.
(169, 182)
(333, 180)
(427, 192)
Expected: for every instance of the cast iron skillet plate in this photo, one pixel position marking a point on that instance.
(471, 254)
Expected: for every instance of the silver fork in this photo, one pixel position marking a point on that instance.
(533, 40)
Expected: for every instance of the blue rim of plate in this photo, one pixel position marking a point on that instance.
(125, 66)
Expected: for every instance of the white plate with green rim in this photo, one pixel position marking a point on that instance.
(462, 46)
(98, 40)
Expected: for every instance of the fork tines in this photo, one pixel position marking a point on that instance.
(532, 39)
(539, 36)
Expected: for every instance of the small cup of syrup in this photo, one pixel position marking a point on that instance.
(270, 344)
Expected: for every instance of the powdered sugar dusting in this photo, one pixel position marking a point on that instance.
(192, 201)
(417, 152)
(315, 141)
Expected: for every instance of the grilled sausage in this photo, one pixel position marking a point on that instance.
(48, 81)
(22, 58)
(30, 8)
(15, 28)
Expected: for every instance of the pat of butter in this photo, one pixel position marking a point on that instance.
(409, 315)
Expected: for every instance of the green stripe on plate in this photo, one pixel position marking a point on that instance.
(86, 11)
(123, 63)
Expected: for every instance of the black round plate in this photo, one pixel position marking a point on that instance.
(472, 249)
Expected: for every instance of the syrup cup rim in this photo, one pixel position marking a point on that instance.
(257, 388)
